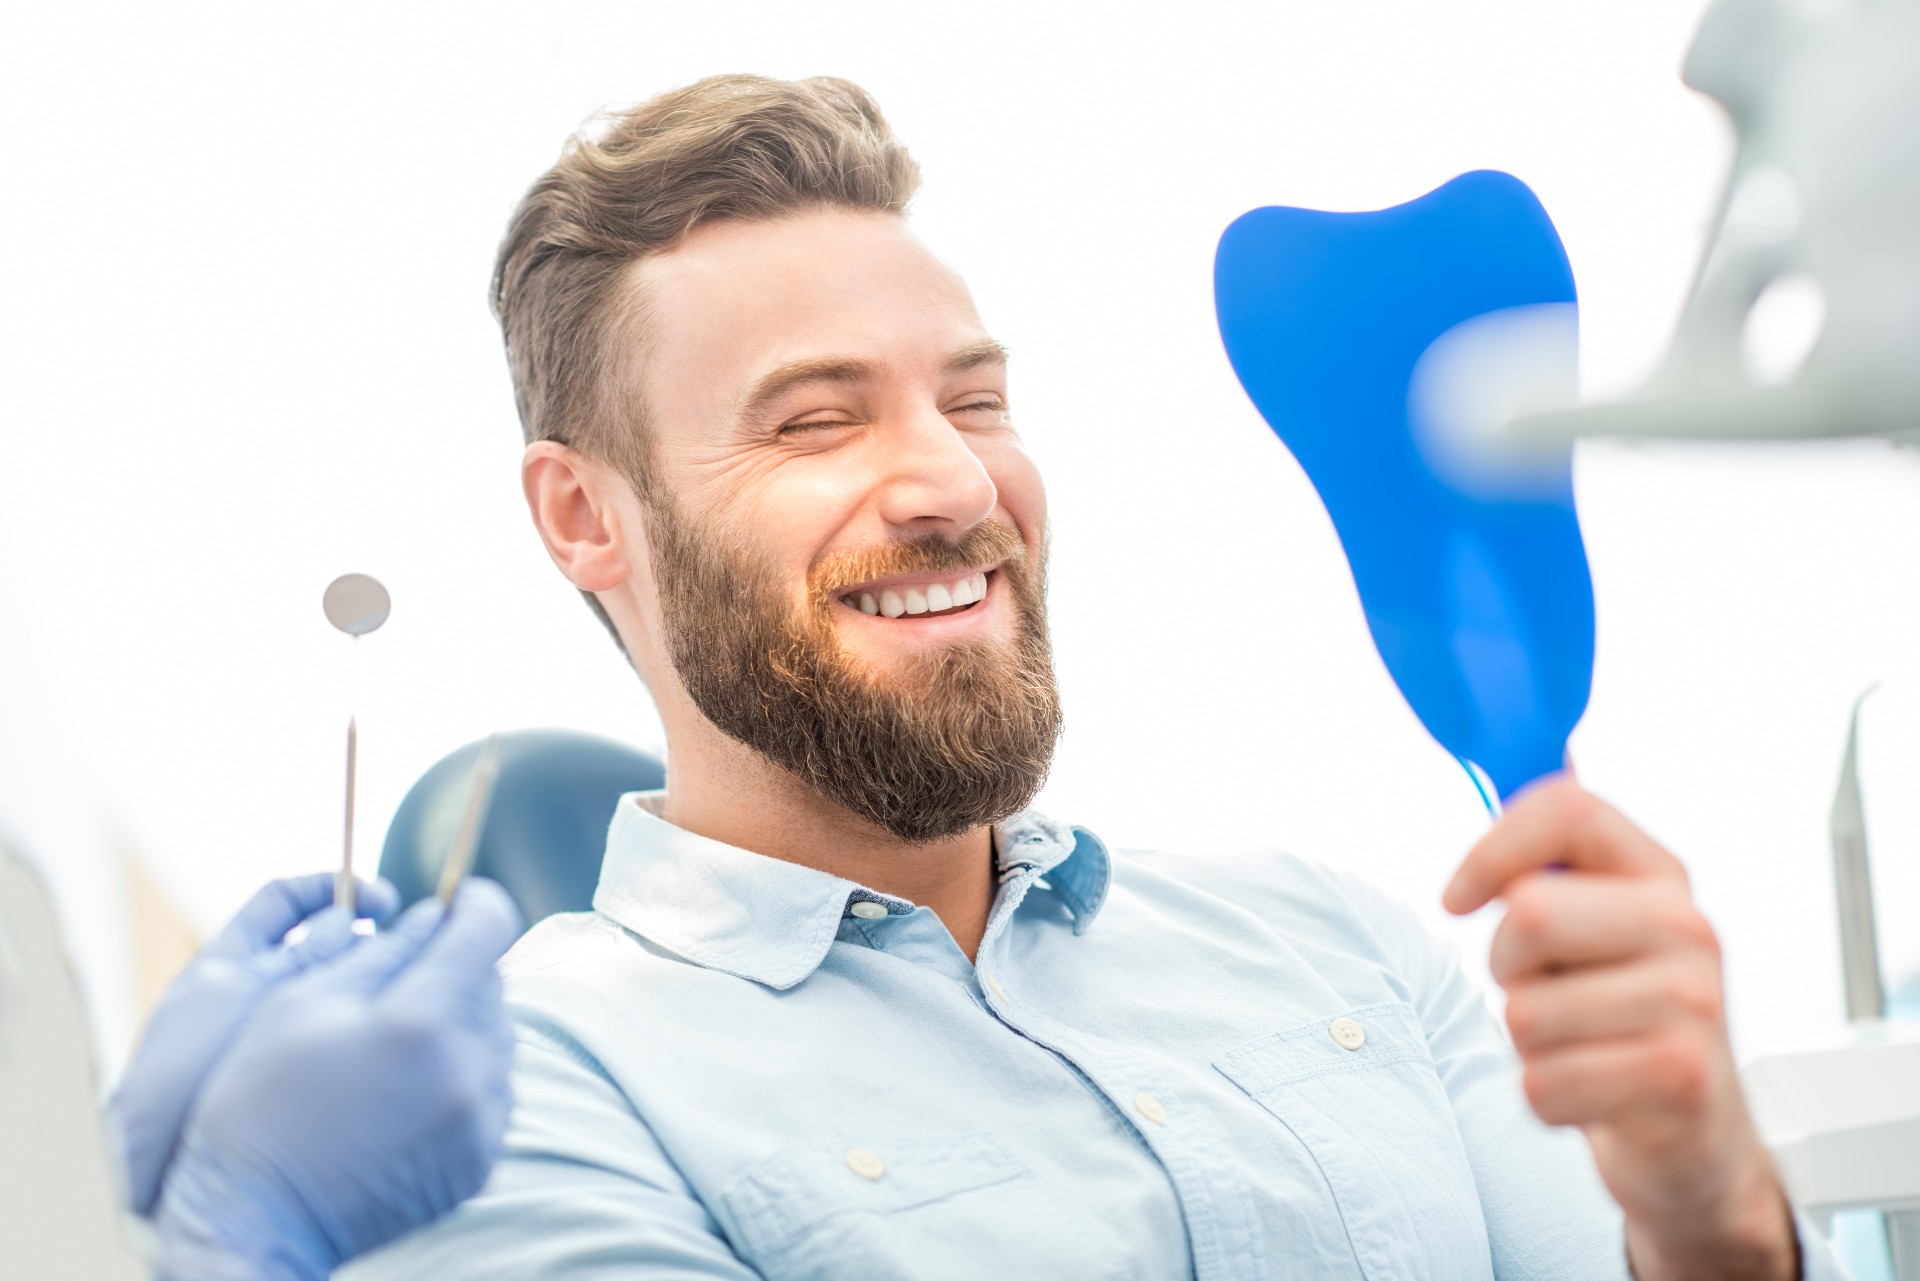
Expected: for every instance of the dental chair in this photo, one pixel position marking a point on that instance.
(546, 827)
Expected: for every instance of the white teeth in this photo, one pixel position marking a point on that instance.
(935, 598)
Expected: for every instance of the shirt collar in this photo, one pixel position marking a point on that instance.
(772, 921)
(1075, 860)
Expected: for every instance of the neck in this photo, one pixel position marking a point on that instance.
(725, 791)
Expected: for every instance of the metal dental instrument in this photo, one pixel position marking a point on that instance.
(356, 604)
(467, 838)
(1853, 885)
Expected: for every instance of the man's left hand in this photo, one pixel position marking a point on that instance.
(1615, 1000)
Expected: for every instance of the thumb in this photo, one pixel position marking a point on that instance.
(329, 933)
(258, 928)
(371, 965)
(482, 925)
(274, 909)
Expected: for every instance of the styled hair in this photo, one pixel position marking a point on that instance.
(726, 148)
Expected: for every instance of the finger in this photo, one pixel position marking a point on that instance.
(482, 924)
(280, 905)
(275, 908)
(329, 933)
(1617, 1001)
(1556, 921)
(1550, 823)
(1595, 1082)
(377, 900)
(501, 1043)
(371, 965)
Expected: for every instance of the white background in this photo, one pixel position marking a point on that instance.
(246, 349)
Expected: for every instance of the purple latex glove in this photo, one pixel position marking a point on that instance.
(204, 1010)
(366, 1097)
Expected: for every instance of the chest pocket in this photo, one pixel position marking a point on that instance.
(932, 1208)
(1360, 1091)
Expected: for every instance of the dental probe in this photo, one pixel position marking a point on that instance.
(355, 604)
(467, 838)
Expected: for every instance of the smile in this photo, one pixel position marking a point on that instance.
(923, 598)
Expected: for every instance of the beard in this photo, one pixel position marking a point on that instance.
(944, 742)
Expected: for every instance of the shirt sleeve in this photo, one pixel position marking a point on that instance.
(583, 1191)
(1544, 1202)
(1548, 1215)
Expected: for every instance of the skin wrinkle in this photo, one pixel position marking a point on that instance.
(850, 370)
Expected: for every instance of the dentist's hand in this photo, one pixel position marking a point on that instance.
(366, 1097)
(1615, 1000)
(214, 996)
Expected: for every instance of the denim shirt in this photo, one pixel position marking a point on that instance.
(1224, 1068)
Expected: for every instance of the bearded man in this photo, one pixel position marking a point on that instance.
(842, 1007)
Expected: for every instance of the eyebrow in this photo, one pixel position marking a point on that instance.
(974, 355)
(781, 379)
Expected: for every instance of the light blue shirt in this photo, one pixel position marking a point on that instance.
(1227, 1068)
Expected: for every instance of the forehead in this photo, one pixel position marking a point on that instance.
(737, 298)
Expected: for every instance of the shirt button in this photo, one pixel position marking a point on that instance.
(865, 1163)
(994, 983)
(868, 911)
(1148, 1106)
(1347, 1034)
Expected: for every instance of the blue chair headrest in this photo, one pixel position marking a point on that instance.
(546, 828)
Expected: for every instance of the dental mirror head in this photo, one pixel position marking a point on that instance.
(356, 604)
(1471, 572)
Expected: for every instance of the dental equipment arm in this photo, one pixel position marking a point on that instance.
(1824, 191)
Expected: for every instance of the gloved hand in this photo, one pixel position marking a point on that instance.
(366, 1097)
(200, 1014)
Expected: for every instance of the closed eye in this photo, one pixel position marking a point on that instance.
(990, 406)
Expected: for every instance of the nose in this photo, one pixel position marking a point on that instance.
(933, 482)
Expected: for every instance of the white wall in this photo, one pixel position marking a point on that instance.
(247, 347)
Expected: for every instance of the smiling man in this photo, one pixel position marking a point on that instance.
(843, 1007)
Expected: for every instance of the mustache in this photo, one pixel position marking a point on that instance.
(990, 542)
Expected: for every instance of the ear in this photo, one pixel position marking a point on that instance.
(577, 506)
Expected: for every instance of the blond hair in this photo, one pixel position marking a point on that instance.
(728, 147)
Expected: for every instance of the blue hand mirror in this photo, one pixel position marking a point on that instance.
(1361, 338)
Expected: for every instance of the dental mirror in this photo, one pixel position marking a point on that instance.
(1349, 331)
(357, 604)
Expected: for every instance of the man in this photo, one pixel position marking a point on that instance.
(843, 1008)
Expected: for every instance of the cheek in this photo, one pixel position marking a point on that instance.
(1022, 493)
(791, 523)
